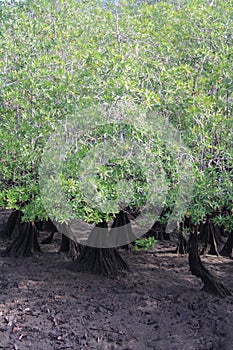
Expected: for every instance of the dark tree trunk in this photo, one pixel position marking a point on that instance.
(14, 217)
(199, 270)
(70, 247)
(51, 229)
(49, 239)
(166, 235)
(65, 244)
(182, 243)
(228, 247)
(158, 231)
(104, 261)
(204, 237)
(39, 225)
(210, 238)
(123, 233)
(215, 236)
(26, 243)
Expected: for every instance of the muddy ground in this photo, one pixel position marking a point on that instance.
(157, 305)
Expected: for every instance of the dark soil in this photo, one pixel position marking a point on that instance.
(157, 305)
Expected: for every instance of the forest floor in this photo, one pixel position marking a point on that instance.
(157, 305)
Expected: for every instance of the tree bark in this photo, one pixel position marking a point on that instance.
(51, 229)
(213, 241)
(124, 233)
(14, 217)
(26, 243)
(70, 247)
(182, 243)
(228, 247)
(210, 237)
(103, 261)
(158, 231)
(199, 270)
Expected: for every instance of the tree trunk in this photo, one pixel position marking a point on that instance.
(199, 270)
(26, 243)
(182, 244)
(210, 237)
(14, 217)
(158, 231)
(121, 231)
(228, 247)
(215, 236)
(104, 261)
(203, 237)
(51, 229)
(39, 225)
(70, 247)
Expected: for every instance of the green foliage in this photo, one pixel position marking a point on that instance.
(59, 57)
(145, 243)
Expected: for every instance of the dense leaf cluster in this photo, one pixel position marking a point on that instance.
(60, 57)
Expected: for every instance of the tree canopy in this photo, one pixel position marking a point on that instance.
(60, 58)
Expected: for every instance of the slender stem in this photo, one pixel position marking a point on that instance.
(118, 36)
